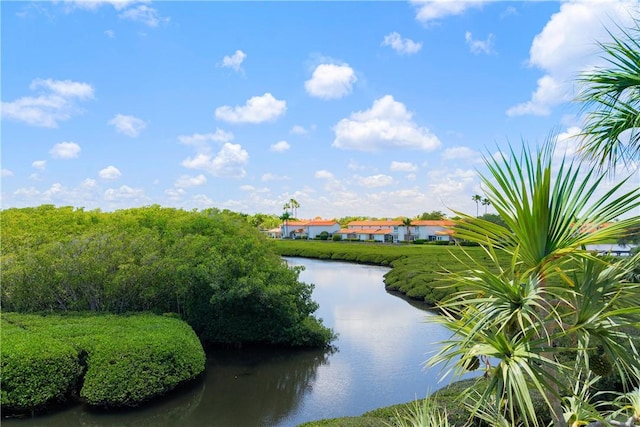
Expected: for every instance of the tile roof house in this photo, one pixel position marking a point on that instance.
(308, 229)
(395, 231)
(378, 231)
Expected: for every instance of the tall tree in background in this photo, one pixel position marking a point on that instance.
(477, 198)
(485, 202)
(293, 203)
(612, 130)
(431, 215)
(285, 221)
(407, 223)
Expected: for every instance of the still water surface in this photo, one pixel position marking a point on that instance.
(382, 345)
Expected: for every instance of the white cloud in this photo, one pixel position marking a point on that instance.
(228, 162)
(65, 150)
(479, 46)
(257, 109)
(403, 167)
(563, 49)
(252, 189)
(323, 174)
(461, 153)
(567, 142)
(128, 125)
(64, 88)
(433, 10)
(280, 146)
(186, 181)
(330, 81)
(387, 125)
(5, 172)
(143, 14)
(94, 4)
(234, 61)
(175, 193)
(402, 46)
(374, 181)
(110, 33)
(109, 173)
(29, 192)
(301, 130)
(39, 164)
(55, 102)
(199, 141)
(273, 177)
(124, 192)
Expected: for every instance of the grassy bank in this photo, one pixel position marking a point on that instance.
(418, 271)
(103, 360)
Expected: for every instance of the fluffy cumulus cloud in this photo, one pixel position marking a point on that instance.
(386, 125)
(228, 162)
(143, 14)
(563, 49)
(273, 177)
(128, 125)
(124, 192)
(65, 150)
(39, 164)
(234, 61)
(330, 81)
(403, 167)
(5, 172)
(280, 146)
(429, 11)
(461, 153)
(187, 181)
(374, 181)
(479, 46)
(109, 173)
(401, 45)
(257, 109)
(200, 141)
(53, 102)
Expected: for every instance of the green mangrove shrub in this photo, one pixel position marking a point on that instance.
(104, 360)
(36, 369)
(211, 268)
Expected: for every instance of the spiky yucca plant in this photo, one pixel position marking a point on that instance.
(554, 296)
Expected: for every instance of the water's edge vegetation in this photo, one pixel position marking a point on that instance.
(100, 359)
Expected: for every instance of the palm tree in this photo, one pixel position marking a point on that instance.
(485, 202)
(285, 220)
(407, 223)
(294, 207)
(614, 94)
(476, 198)
(520, 316)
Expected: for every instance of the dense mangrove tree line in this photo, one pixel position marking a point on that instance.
(209, 267)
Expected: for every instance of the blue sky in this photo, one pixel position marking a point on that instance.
(379, 109)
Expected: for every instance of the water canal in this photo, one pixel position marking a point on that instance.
(382, 345)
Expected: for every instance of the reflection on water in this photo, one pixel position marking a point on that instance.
(382, 344)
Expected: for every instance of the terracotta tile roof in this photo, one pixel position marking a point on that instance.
(310, 223)
(323, 222)
(365, 231)
(374, 223)
(445, 233)
(434, 222)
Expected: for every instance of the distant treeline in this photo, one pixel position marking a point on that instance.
(210, 267)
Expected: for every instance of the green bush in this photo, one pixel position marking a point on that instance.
(211, 268)
(117, 360)
(336, 237)
(36, 369)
